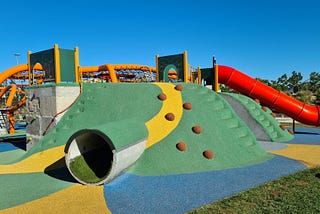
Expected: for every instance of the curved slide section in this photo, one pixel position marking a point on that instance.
(270, 97)
(16, 69)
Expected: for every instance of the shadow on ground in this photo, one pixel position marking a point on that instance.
(60, 171)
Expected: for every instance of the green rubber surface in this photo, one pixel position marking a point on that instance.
(223, 133)
(264, 118)
(9, 157)
(99, 104)
(36, 185)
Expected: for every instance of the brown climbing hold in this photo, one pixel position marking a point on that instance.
(257, 101)
(181, 146)
(273, 115)
(208, 154)
(282, 127)
(187, 106)
(179, 87)
(169, 116)
(162, 97)
(264, 108)
(291, 132)
(197, 129)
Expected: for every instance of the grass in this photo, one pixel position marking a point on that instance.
(296, 193)
(91, 167)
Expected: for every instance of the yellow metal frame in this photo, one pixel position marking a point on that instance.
(199, 75)
(216, 78)
(157, 67)
(76, 65)
(185, 67)
(29, 67)
(57, 63)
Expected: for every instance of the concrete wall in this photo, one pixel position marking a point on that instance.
(43, 103)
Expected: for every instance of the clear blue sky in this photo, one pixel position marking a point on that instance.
(265, 38)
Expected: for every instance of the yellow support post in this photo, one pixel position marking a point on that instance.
(199, 76)
(76, 65)
(185, 67)
(216, 78)
(29, 68)
(157, 68)
(112, 73)
(57, 63)
(190, 77)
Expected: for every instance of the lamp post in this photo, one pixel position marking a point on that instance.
(16, 55)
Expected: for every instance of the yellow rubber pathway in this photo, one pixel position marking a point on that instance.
(158, 126)
(37, 162)
(306, 154)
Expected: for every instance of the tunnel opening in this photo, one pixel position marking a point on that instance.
(89, 156)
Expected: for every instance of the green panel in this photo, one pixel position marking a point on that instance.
(167, 63)
(67, 69)
(46, 59)
(207, 75)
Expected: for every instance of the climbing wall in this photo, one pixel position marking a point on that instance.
(209, 136)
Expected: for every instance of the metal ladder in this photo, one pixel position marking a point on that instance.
(4, 121)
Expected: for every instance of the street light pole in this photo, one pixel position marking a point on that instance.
(16, 55)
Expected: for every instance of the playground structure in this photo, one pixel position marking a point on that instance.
(62, 66)
(98, 123)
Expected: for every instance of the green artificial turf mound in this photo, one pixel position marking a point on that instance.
(211, 136)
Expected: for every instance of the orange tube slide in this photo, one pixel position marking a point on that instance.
(268, 96)
(16, 69)
(13, 88)
(113, 68)
(4, 76)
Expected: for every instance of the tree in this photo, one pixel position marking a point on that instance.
(295, 79)
(225, 88)
(305, 97)
(282, 83)
(314, 81)
(264, 81)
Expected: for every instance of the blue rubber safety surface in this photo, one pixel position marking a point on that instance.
(309, 136)
(20, 126)
(7, 147)
(185, 192)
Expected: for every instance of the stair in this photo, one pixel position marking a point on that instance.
(4, 122)
(264, 118)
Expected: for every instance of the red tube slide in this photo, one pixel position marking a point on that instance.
(268, 96)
